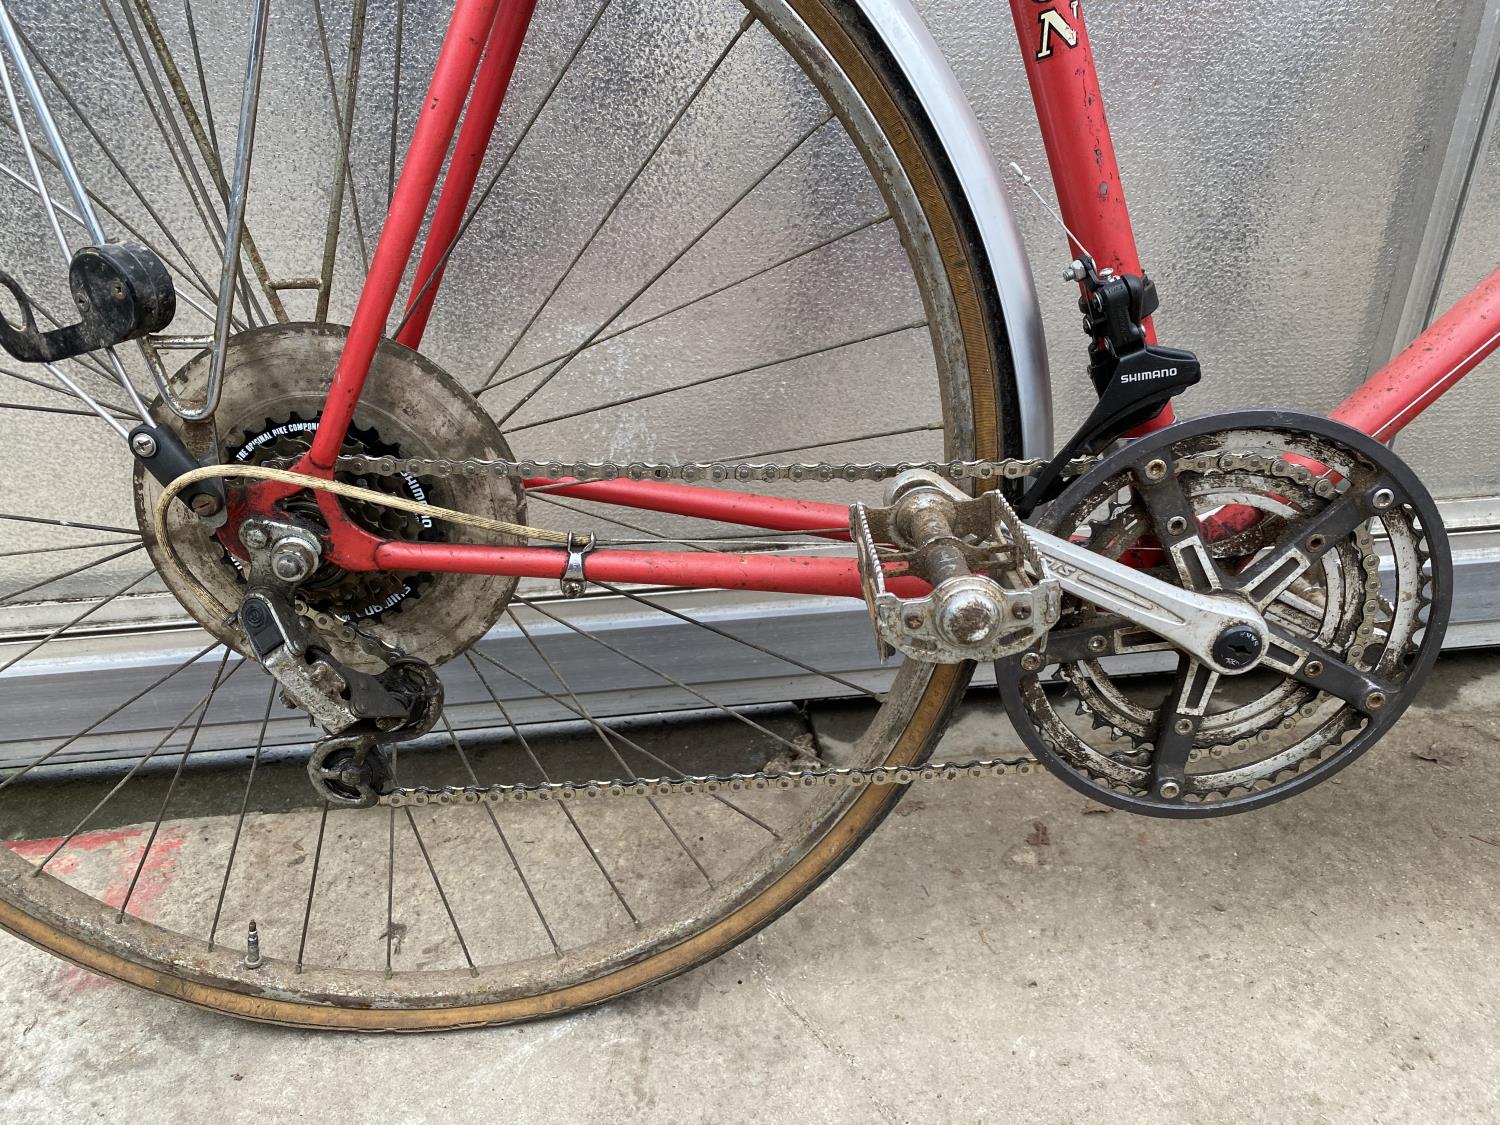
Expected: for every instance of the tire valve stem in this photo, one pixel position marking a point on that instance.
(252, 947)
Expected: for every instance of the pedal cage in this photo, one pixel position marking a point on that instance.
(983, 605)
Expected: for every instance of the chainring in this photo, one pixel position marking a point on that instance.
(275, 380)
(1267, 734)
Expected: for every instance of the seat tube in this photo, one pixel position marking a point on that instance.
(1059, 61)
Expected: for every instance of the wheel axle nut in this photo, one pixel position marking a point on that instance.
(293, 561)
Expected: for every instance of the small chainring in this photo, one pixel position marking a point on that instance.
(1259, 484)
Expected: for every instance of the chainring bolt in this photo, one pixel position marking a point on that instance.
(1176, 525)
(1313, 668)
(1184, 726)
(1382, 499)
(1169, 790)
(1375, 701)
(1098, 643)
(1031, 662)
(1156, 469)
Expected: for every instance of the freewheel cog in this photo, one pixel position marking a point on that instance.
(275, 380)
(1289, 509)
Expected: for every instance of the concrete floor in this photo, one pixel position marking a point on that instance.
(999, 951)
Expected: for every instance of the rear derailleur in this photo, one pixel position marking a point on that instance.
(361, 711)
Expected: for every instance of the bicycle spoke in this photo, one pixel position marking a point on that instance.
(699, 299)
(631, 743)
(197, 278)
(931, 427)
(716, 631)
(89, 612)
(118, 411)
(130, 531)
(614, 206)
(220, 679)
(606, 740)
(343, 176)
(61, 746)
(239, 822)
(312, 885)
(70, 573)
(542, 772)
(115, 789)
(208, 104)
(438, 883)
(397, 50)
(415, 300)
(659, 274)
(704, 381)
(668, 677)
(515, 863)
(208, 151)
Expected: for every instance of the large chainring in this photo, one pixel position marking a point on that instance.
(1261, 486)
(275, 381)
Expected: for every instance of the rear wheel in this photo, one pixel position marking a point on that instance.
(764, 254)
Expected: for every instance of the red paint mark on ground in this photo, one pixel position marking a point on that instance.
(155, 875)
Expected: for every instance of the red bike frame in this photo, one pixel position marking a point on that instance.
(479, 54)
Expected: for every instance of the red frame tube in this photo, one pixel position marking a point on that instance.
(490, 86)
(451, 79)
(1070, 110)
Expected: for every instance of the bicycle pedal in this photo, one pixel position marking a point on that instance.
(983, 604)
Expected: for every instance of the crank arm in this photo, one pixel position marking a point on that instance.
(1224, 632)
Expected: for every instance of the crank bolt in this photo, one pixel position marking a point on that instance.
(1313, 668)
(252, 947)
(1156, 470)
(1098, 643)
(1184, 726)
(1383, 499)
(1169, 790)
(143, 445)
(1176, 525)
(1238, 647)
(1375, 701)
(1031, 662)
(254, 538)
(1317, 542)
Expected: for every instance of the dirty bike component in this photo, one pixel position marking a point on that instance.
(972, 551)
(1285, 508)
(349, 771)
(1134, 378)
(122, 292)
(271, 398)
(163, 454)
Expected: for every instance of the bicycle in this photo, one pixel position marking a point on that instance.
(333, 505)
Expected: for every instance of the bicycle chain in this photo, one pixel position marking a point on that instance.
(1010, 469)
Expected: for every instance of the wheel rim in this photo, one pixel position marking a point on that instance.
(137, 950)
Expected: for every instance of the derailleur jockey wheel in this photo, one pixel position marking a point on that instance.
(1295, 514)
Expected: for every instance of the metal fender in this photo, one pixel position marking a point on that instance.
(938, 91)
